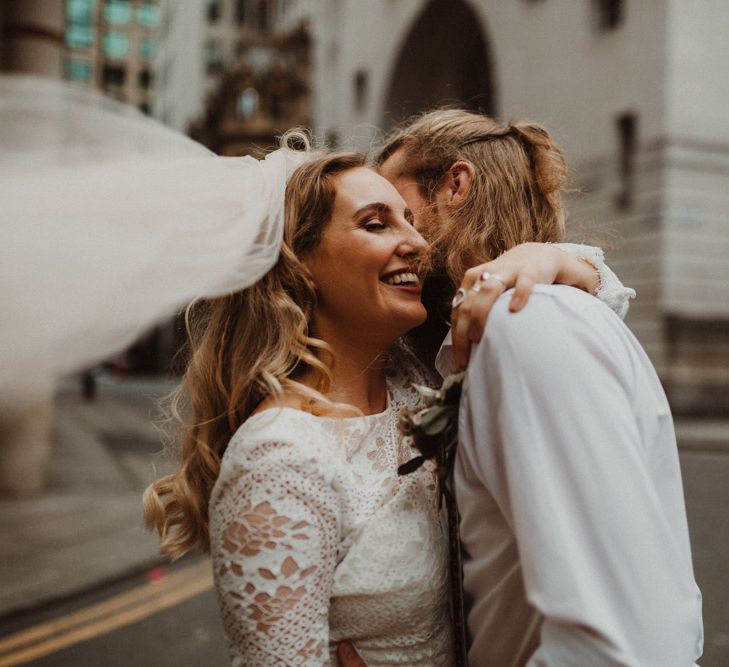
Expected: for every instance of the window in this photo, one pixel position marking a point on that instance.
(80, 11)
(627, 127)
(213, 11)
(147, 48)
(361, 86)
(240, 11)
(262, 15)
(609, 13)
(275, 106)
(114, 75)
(150, 16)
(145, 79)
(213, 62)
(116, 44)
(79, 36)
(78, 69)
(247, 103)
(117, 12)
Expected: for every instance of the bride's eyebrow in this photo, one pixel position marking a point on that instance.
(375, 207)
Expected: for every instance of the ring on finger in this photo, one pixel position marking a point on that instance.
(459, 298)
(492, 276)
(476, 287)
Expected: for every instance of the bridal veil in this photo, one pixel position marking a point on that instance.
(110, 221)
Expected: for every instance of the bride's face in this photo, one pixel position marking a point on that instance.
(364, 266)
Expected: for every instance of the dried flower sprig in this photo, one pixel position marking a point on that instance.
(433, 429)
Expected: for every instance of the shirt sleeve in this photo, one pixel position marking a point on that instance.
(611, 290)
(550, 393)
(274, 550)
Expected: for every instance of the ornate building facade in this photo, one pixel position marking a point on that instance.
(263, 91)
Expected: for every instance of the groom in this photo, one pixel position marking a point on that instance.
(576, 548)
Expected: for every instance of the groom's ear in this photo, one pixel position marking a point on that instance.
(458, 182)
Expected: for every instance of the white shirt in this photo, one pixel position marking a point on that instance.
(568, 482)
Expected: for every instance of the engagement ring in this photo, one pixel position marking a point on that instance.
(458, 298)
(494, 276)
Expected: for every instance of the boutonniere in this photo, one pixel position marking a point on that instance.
(433, 428)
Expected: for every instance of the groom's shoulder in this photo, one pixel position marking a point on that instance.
(554, 314)
(559, 303)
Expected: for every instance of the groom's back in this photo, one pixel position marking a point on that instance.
(570, 493)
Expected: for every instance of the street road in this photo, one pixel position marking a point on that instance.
(168, 616)
(164, 617)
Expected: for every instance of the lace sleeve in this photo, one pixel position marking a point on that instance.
(611, 291)
(274, 538)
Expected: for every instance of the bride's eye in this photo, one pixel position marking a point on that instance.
(374, 225)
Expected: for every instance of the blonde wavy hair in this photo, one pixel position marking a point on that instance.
(516, 195)
(243, 348)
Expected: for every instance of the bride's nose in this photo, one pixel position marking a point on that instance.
(412, 243)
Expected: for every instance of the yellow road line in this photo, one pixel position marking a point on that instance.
(106, 616)
(95, 611)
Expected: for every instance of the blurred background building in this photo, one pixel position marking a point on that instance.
(635, 92)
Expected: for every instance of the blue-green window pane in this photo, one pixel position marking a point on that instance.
(118, 12)
(80, 11)
(116, 44)
(248, 103)
(146, 48)
(79, 36)
(78, 70)
(149, 16)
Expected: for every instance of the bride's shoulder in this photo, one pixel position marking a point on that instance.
(280, 430)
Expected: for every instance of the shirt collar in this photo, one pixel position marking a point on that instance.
(444, 362)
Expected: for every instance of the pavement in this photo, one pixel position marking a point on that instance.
(86, 528)
(85, 531)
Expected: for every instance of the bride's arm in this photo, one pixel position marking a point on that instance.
(522, 267)
(274, 538)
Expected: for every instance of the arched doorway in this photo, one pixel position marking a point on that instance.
(444, 60)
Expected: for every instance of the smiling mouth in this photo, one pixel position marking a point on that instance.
(401, 279)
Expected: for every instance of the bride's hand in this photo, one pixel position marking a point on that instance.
(521, 267)
(348, 656)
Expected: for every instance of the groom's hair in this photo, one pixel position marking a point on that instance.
(519, 175)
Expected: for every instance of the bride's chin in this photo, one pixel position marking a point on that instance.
(405, 321)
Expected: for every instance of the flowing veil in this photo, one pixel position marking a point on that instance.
(110, 221)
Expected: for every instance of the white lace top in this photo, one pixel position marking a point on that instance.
(316, 539)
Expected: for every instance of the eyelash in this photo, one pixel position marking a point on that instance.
(374, 225)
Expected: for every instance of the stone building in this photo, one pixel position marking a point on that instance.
(111, 45)
(263, 91)
(31, 42)
(232, 73)
(634, 91)
(31, 37)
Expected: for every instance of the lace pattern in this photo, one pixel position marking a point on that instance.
(611, 291)
(316, 539)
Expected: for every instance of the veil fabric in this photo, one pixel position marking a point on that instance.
(109, 222)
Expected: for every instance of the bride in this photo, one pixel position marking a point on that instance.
(295, 389)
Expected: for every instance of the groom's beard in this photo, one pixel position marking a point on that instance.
(444, 231)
